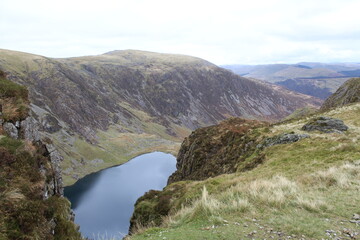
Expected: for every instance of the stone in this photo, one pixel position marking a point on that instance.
(11, 130)
(55, 159)
(29, 130)
(356, 216)
(325, 125)
(282, 139)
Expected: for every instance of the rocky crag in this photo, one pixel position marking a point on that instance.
(348, 93)
(103, 110)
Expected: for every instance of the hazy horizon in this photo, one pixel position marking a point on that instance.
(226, 32)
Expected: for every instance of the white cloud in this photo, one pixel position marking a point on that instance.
(227, 31)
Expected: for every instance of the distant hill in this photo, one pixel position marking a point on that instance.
(103, 110)
(348, 93)
(315, 79)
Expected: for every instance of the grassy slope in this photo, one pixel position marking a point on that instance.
(114, 148)
(301, 190)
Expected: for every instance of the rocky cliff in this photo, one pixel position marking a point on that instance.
(142, 101)
(31, 201)
(348, 93)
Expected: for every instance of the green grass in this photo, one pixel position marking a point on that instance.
(302, 189)
(13, 99)
(114, 148)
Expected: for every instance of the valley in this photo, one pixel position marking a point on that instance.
(254, 160)
(101, 111)
(311, 78)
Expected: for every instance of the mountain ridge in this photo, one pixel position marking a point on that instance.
(153, 99)
(312, 78)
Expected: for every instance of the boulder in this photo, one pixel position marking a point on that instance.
(11, 130)
(326, 125)
(282, 139)
(29, 130)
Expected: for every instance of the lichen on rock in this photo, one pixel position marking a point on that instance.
(325, 125)
(284, 138)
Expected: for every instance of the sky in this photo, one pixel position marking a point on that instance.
(222, 32)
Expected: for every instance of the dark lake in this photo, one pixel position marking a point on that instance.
(103, 202)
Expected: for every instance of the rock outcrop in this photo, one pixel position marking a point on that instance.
(282, 139)
(347, 93)
(216, 150)
(11, 130)
(326, 125)
(29, 130)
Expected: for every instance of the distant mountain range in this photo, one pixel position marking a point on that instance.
(103, 110)
(315, 79)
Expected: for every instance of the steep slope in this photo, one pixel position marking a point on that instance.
(305, 186)
(349, 92)
(31, 201)
(103, 110)
(315, 79)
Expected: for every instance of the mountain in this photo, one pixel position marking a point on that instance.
(103, 110)
(240, 179)
(348, 93)
(315, 79)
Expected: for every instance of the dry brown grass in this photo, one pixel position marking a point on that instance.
(13, 110)
(277, 192)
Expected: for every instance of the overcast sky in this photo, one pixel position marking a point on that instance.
(223, 32)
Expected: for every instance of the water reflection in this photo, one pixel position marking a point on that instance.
(104, 201)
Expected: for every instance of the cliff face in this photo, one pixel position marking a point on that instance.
(31, 201)
(349, 92)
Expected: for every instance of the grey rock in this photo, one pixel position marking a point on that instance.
(11, 130)
(356, 216)
(56, 160)
(50, 148)
(56, 187)
(282, 139)
(29, 130)
(50, 124)
(96, 161)
(326, 125)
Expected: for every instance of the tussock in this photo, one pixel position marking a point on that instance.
(277, 192)
(345, 176)
(14, 195)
